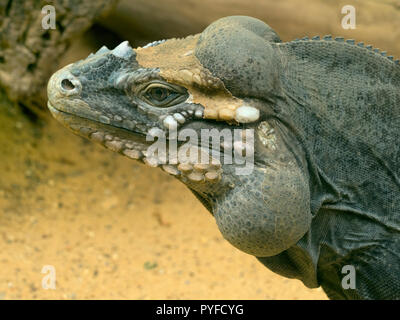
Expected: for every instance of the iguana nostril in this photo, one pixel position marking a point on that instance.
(67, 84)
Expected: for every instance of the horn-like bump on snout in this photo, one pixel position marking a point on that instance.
(103, 49)
(123, 50)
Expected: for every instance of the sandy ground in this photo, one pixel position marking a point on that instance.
(111, 227)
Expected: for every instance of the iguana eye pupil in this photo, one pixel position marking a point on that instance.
(159, 94)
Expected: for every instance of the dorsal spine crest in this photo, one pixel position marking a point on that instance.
(349, 42)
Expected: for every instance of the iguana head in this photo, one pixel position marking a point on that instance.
(223, 80)
(118, 97)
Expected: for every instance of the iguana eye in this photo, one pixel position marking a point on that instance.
(163, 95)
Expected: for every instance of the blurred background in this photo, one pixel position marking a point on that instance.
(111, 227)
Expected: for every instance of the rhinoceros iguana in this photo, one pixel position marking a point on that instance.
(322, 202)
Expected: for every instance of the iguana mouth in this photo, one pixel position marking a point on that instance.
(129, 143)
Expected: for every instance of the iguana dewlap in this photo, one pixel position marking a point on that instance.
(325, 189)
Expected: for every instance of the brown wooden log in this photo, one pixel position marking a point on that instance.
(28, 52)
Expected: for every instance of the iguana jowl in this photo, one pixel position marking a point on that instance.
(325, 189)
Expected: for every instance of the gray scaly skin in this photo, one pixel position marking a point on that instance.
(325, 189)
